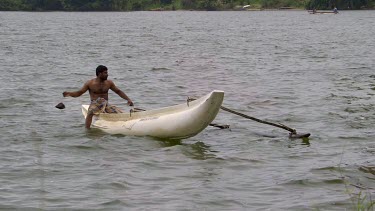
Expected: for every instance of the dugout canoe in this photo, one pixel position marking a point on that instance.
(174, 122)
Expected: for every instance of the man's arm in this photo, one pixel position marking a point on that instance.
(77, 93)
(120, 93)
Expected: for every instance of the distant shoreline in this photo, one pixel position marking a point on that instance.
(181, 5)
(166, 10)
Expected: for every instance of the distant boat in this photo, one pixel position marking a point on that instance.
(322, 12)
(287, 8)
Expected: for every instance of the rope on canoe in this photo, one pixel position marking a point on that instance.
(133, 110)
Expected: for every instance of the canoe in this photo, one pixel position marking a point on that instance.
(174, 122)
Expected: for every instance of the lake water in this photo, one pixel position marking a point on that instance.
(314, 73)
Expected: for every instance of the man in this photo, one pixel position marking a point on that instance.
(98, 89)
(335, 10)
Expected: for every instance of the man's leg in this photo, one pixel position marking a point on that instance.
(89, 120)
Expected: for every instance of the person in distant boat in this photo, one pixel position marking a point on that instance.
(335, 10)
(98, 89)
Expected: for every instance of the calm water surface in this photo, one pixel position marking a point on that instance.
(315, 73)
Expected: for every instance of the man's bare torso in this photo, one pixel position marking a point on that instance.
(99, 88)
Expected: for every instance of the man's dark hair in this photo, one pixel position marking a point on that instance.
(100, 69)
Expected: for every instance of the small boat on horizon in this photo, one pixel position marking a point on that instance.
(323, 12)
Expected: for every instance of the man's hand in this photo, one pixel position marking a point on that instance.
(66, 94)
(130, 103)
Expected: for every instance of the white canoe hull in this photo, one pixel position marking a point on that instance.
(175, 122)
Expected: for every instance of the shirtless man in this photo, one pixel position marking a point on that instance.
(98, 89)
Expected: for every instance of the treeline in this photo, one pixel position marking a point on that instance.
(134, 5)
(341, 4)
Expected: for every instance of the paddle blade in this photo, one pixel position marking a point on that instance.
(60, 106)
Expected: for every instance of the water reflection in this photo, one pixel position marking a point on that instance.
(96, 134)
(37, 143)
(168, 142)
(198, 150)
(299, 142)
(305, 141)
